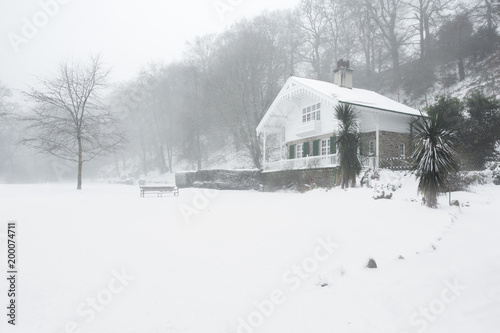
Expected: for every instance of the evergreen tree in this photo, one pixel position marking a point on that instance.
(481, 130)
(434, 156)
(450, 110)
(348, 141)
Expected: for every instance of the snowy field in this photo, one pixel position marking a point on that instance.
(106, 260)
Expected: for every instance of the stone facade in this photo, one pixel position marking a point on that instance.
(364, 144)
(389, 145)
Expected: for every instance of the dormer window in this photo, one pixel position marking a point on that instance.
(311, 113)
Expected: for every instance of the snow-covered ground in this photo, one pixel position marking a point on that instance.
(105, 260)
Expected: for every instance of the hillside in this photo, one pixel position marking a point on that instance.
(482, 74)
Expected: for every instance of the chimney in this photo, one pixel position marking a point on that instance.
(342, 75)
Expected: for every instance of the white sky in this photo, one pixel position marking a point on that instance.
(128, 34)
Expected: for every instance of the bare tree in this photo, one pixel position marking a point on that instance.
(128, 100)
(200, 52)
(425, 13)
(488, 12)
(343, 34)
(196, 91)
(7, 129)
(315, 25)
(157, 114)
(247, 76)
(291, 37)
(68, 119)
(391, 20)
(364, 28)
(5, 105)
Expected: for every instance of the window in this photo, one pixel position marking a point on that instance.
(299, 151)
(371, 148)
(311, 113)
(402, 150)
(325, 147)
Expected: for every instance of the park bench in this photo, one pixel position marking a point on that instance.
(159, 189)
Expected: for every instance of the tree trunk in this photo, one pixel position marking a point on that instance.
(427, 38)
(144, 155)
(489, 15)
(422, 40)
(198, 143)
(461, 69)
(80, 164)
(395, 63)
(170, 144)
(256, 152)
(162, 161)
(117, 165)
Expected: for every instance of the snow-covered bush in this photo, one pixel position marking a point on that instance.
(369, 178)
(495, 168)
(384, 182)
(383, 191)
(463, 181)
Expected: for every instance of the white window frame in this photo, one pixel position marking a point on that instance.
(325, 147)
(371, 148)
(311, 113)
(299, 150)
(402, 150)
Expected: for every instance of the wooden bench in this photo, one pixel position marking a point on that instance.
(159, 189)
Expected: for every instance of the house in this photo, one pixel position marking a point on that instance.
(299, 129)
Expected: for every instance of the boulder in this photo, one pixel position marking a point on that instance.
(371, 263)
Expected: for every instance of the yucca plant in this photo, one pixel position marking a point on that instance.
(433, 157)
(348, 141)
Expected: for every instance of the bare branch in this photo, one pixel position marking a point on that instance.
(68, 119)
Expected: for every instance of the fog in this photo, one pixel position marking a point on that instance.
(188, 84)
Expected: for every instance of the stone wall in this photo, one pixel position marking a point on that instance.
(220, 179)
(300, 180)
(296, 180)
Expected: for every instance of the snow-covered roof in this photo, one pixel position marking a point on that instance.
(356, 96)
(331, 92)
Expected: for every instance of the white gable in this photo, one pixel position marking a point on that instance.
(285, 110)
(360, 97)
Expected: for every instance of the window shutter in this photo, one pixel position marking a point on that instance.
(316, 148)
(305, 149)
(333, 145)
(292, 152)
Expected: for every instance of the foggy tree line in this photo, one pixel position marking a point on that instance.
(212, 99)
(215, 96)
(8, 129)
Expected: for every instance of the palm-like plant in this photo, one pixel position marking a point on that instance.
(433, 157)
(348, 141)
